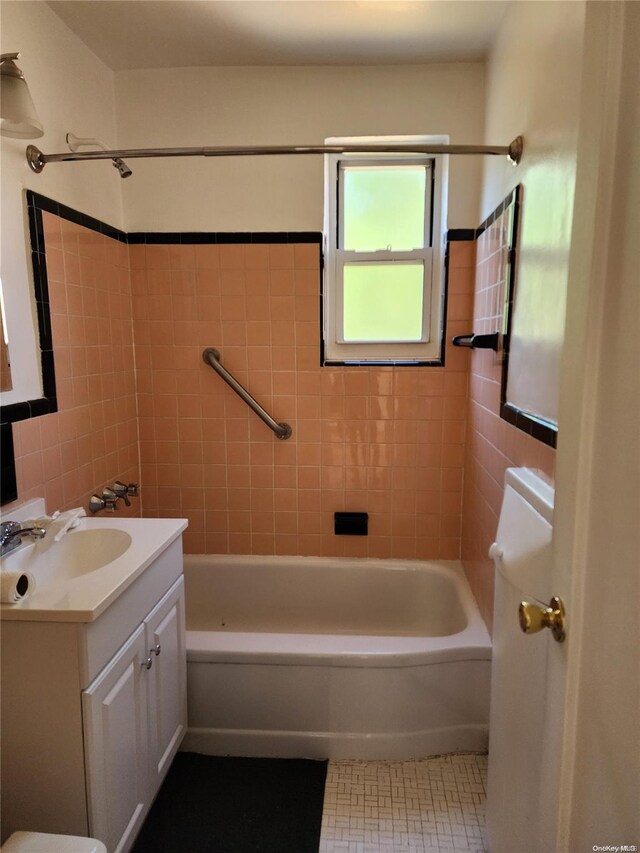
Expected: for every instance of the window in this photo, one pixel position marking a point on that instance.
(384, 227)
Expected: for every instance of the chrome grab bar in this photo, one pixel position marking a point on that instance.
(211, 357)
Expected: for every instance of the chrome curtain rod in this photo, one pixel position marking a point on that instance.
(211, 357)
(37, 160)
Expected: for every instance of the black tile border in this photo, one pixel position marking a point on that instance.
(221, 238)
(514, 196)
(36, 205)
(48, 403)
(460, 234)
(42, 203)
(535, 427)
(8, 483)
(508, 412)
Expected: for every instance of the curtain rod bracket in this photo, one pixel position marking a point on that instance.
(515, 150)
(35, 159)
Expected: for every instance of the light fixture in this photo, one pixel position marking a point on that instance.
(18, 117)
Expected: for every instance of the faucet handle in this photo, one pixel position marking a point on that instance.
(96, 503)
(122, 491)
(110, 499)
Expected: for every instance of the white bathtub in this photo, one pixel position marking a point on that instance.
(333, 658)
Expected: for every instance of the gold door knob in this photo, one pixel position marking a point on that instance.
(534, 616)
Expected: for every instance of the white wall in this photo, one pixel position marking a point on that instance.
(283, 105)
(73, 91)
(533, 89)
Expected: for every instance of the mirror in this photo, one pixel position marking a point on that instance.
(521, 324)
(47, 402)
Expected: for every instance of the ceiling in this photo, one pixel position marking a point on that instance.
(129, 34)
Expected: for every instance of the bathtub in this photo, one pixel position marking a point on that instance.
(315, 657)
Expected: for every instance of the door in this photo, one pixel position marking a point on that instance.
(116, 752)
(516, 818)
(165, 636)
(597, 534)
(587, 754)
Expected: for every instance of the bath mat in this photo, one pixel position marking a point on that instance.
(236, 805)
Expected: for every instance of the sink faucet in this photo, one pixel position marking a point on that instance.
(11, 533)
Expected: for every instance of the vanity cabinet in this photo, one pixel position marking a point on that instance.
(93, 713)
(115, 712)
(134, 716)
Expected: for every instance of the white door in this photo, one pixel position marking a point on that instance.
(587, 753)
(516, 819)
(165, 635)
(597, 529)
(115, 718)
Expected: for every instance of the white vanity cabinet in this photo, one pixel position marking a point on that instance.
(165, 633)
(116, 725)
(134, 716)
(93, 712)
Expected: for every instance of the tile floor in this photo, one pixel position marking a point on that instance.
(423, 806)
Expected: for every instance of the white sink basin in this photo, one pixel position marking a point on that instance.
(77, 578)
(76, 554)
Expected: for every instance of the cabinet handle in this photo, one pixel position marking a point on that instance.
(156, 650)
(148, 663)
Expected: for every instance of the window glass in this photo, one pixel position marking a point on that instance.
(384, 226)
(383, 301)
(383, 208)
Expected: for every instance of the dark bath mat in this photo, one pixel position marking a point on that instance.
(236, 805)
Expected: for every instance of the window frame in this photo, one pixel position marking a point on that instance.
(429, 350)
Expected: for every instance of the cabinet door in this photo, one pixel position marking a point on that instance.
(115, 720)
(165, 631)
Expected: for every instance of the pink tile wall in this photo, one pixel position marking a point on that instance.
(92, 439)
(395, 442)
(388, 441)
(492, 444)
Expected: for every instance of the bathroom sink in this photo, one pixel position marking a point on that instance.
(79, 577)
(78, 553)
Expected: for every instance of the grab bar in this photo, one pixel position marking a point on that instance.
(211, 357)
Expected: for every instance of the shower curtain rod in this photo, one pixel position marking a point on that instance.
(37, 160)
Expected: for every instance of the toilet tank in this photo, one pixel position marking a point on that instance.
(523, 569)
(523, 539)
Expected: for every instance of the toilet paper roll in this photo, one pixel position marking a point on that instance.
(16, 586)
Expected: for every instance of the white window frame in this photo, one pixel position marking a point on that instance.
(428, 349)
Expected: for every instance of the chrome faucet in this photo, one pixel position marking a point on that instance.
(11, 533)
